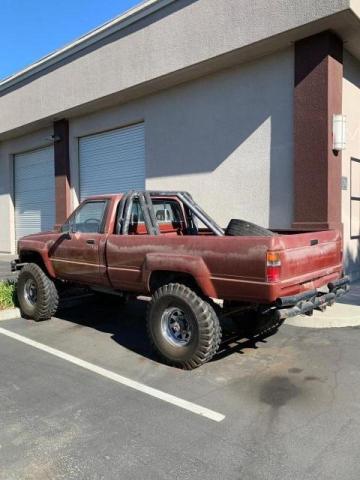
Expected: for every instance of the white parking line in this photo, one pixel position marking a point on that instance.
(153, 392)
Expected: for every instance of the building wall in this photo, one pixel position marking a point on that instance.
(6, 210)
(351, 108)
(177, 37)
(226, 138)
(7, 151)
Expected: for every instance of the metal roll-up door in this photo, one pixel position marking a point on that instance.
(34, 184)
(112, 161)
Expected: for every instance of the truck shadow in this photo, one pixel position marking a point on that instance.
(127, 327)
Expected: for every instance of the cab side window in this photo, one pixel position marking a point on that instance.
(87, 219)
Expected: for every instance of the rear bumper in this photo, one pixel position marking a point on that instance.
(305, 303)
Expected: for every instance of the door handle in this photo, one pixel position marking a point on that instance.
(90, 242)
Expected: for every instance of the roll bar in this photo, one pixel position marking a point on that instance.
(146, 205)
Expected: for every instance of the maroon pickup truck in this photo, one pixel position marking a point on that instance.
(162, 244)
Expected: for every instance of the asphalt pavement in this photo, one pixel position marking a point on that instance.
(291, 403)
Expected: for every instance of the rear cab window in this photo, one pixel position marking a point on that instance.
(168, 214)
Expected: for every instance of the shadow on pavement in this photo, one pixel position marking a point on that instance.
(127, 326)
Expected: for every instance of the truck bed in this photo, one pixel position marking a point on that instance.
(235, 266)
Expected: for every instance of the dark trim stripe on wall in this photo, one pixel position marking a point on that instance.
(317, 96)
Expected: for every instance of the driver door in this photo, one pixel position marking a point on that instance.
(77, 255)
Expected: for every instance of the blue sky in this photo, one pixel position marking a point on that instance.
(30, 29)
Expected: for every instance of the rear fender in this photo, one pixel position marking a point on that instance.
(182, 264)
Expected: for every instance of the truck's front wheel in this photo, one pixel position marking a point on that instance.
(183, 328)
(36, 292)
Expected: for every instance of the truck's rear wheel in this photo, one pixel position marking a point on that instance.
(37, 294)
(183, 328)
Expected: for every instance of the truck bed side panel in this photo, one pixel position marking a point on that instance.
(236, 265)
(227, 259)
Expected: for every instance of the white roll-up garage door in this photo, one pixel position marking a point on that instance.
(34, 183)
(112, 162)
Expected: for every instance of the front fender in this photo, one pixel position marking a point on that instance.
(40, 248)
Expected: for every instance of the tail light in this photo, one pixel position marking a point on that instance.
(273, 266)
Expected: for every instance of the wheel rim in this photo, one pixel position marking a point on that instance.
(30, 292)
(176, 327)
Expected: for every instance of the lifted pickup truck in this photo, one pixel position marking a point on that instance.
(152, 243)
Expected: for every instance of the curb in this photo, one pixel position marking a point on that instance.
(338, 316)
(10, 314)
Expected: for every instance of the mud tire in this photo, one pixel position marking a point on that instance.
(205, 326)
(240, 228)
(47, 298)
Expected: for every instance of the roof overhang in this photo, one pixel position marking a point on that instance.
(163, 60)
(107, 29)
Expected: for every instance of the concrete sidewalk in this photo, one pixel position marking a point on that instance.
(345, 313)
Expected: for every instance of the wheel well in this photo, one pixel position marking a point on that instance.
(163, 277)
(33, 257)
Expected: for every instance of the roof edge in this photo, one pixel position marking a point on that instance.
(118, 23)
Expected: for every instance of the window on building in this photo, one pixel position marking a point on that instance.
(355, 198)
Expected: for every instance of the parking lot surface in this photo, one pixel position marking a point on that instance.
(291, 403)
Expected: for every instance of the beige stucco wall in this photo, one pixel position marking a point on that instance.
(351, 108)
(183, 34)
(226, 138)
(355, 6)
(7, 151)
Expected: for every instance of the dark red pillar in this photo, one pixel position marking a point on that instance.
(62, 170)
(317, 96)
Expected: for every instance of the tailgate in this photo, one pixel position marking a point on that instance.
(310, 256)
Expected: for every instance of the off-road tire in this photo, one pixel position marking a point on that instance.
(47, 295)
(240, 228)
(206, 336)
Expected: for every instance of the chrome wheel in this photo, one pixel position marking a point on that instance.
(175, 327)
(30, 291)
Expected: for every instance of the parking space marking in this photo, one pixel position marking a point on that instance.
(153, 392)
